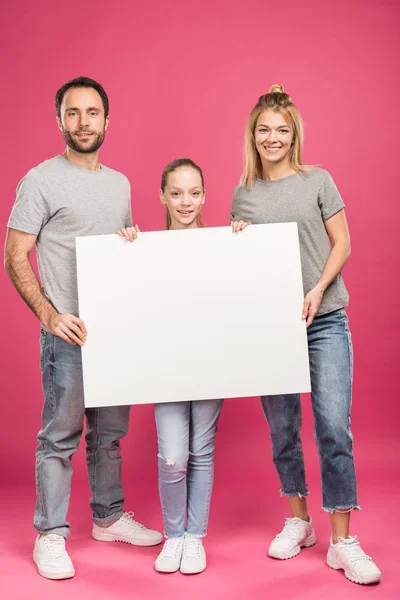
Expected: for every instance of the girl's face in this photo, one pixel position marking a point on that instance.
(183, 196)
(273, 138)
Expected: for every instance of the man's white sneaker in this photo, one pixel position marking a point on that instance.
(194, 556)
(51, 557)
(126, 529)
(348, 555)
(295, 535)
(169, 559)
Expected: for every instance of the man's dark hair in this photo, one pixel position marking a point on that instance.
(80, 82)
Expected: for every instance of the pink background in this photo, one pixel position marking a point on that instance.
(182, 78)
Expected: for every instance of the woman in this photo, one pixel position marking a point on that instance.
(186, 430)
(276, 187)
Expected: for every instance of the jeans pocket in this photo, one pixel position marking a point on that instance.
(42, 348)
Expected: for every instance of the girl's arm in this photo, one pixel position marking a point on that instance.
(339, 235)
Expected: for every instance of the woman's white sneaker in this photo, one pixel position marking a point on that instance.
(51, 557)
(348, 555)
(295, 535)
(194, 556)
(169, 559)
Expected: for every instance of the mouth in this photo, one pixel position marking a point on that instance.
(185, 213)
(83, 135)
(272, 149)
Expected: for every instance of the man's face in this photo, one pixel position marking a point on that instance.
(82, 120)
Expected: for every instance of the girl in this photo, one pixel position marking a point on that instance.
(186, 430)
(276, 187)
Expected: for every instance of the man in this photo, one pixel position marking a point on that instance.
(62, 198)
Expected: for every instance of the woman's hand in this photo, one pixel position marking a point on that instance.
(311, 303)
(129, 233)
(239, 225)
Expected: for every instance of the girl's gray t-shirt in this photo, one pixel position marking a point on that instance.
(309, 200)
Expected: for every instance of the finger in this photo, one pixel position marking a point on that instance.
(77, 330)
(80, 323)
(311, 315)
(64, 337)
(137, 228)
(119, 233)
(306, 306)
(71, 335)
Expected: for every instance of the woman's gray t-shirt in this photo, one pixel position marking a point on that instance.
(309, 200)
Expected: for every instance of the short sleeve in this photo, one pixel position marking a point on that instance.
(329, 198)
(235, 205)
(31, 209)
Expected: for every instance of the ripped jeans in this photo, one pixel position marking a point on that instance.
(186, 439)
(331, 369)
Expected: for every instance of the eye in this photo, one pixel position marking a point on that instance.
(262, 130)
(174, 194)
(196, 194)
(93, 114)
(72, 113)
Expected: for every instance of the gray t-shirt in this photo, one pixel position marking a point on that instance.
(58, 201)
(308, 200)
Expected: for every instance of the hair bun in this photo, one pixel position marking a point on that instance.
(277, 89)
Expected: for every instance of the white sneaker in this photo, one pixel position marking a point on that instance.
(51, 557)
(348, 555)
(194, 556)
(295, 535)
(126, 529)
(169, 559)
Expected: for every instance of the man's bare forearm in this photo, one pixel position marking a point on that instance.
(23, 277)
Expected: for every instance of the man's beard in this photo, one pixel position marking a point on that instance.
(74, 144)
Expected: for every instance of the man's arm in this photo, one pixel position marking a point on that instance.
(18, 247)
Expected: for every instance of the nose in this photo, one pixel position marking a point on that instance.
(185, 200)
(84, 121)
(272, 136)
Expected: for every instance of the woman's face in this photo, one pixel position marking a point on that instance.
(273, 137)
(183, 197)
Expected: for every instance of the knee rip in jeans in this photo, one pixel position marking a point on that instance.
(169, 461)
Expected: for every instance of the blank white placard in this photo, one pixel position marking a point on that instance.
(192, 314)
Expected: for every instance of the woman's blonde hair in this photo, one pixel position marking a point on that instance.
(279, 101)
(170, 168)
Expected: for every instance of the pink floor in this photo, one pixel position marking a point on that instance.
(246, 513)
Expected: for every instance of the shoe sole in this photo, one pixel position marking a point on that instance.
(308, 542)
(165, 570)
(184, 572)
(336, 567)
(103, 537)
(66, 575)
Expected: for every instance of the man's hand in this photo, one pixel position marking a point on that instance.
(67, 327)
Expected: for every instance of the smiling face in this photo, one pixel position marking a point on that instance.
(82, 120)
(183, 196)
(273, 138)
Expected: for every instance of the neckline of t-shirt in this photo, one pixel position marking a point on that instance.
(274, 181)
(71, 165)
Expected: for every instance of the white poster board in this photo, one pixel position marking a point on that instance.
(192, 315)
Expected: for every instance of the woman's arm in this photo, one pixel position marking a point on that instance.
(339, 235)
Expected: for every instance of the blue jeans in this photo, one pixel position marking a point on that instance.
(62, 425)
(331, 369)
(186, 439)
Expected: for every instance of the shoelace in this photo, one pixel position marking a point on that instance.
(55, 545)
(353, 549)
(171, 547)
(192, 547)
(290, 529)
(128, 518)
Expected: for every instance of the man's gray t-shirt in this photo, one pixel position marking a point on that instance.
(58, 201)
(308, 199)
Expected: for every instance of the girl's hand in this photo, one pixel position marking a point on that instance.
(239, 225)
(311, 304)
(129, 233)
